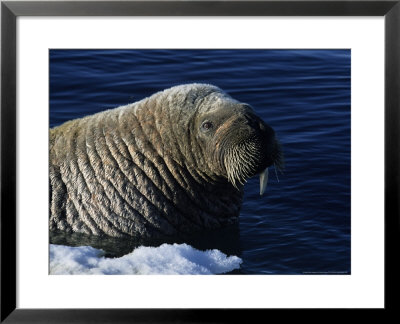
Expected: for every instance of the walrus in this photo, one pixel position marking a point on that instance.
(170, 164)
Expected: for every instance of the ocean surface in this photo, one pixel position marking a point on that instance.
(301, 225)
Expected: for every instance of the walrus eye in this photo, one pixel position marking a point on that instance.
(207, 125)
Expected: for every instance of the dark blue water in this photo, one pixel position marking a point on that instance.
(302, 223)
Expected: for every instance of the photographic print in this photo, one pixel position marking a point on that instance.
(200, 161)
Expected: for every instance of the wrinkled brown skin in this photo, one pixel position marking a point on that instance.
(146, 169)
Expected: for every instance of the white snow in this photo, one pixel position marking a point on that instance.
(165, 259)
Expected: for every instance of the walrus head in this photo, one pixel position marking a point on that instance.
(240, 143)
(234, 142)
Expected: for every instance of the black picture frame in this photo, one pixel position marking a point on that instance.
(10, 10)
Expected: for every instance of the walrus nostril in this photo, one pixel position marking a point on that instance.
(252, 121)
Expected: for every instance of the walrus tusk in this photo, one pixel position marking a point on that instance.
(263, 181)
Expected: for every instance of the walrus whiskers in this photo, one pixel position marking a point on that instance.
(240, 163)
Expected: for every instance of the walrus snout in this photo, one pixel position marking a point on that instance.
(271, 153)
(250, 147)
